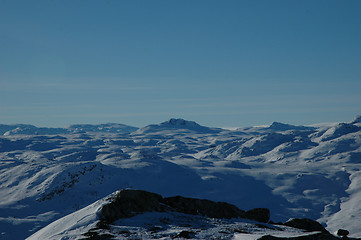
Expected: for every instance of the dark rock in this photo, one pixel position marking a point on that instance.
(258, 214)
(102, 225)
(306, 224)
(185, 234)
(203, 207)
(317, 236)
(96, 236)
(128, 203)
(343, 232)
(275, 223)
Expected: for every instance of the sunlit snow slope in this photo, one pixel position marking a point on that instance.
(295, 171)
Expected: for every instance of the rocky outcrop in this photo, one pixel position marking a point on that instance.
(127, 203)
(305, 224)
(258, 214)
(203, 207)
(316, 236)
(343, 233)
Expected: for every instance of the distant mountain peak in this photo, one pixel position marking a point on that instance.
(180, 122)
(280, 125)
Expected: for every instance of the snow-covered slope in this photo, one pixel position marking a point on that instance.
(161, 224)
(294, 171)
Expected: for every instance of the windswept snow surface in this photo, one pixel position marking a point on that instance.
(294, 171)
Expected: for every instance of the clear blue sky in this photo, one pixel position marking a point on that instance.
(220, 63)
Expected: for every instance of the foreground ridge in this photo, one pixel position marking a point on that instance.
(126, 214)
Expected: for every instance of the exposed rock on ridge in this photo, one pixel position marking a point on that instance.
(306, 224)
(128, 203)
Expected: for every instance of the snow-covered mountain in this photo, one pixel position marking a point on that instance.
(108, 127)
(179, 125)
(295, 171)
(26, 129)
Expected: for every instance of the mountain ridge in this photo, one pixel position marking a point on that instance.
(299, 173)
(27, 129)
(104, 218)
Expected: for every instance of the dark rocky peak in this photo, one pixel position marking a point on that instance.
(180, 122)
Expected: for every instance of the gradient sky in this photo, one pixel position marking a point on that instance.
(219, 63)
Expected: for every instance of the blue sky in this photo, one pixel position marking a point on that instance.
(220, 63)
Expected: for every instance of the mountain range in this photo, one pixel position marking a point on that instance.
(53, 181)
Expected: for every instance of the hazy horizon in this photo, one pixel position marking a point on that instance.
(221, 64)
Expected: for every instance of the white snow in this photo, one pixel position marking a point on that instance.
(71, 225)
(295, 171)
